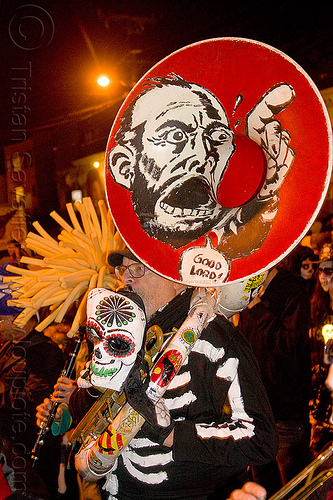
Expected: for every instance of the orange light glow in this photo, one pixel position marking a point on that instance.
(103, 81)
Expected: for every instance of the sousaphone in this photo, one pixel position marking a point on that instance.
(217, 165)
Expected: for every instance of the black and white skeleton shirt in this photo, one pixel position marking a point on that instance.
(223, 422)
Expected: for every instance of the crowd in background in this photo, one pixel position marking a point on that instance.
(290, 327)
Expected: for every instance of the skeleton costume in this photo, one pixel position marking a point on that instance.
(223, 421)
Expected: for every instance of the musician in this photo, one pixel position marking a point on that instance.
(175, 139)
(206, 446)
(220, 419)
(69, 482)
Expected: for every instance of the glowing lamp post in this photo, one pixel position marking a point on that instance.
(103, 81)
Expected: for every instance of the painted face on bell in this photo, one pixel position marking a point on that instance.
(116, 326)
(182, 142)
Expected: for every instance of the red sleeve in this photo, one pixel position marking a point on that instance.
(5, 490)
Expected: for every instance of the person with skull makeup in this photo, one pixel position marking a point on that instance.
(173, 147)
(321, 336)
(215, 419)
(302, 262)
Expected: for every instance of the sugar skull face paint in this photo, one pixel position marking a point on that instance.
(115, 324)
(325, 273)
(307, 269)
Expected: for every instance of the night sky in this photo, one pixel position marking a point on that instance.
(53, 49)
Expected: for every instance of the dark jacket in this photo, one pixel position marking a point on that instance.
(278, 331)
(28, 371)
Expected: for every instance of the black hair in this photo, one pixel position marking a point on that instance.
(294, 260)
(320, 304)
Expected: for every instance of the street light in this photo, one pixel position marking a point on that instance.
(103, 81)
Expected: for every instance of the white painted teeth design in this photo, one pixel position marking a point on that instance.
(167, 208)
(185, 212)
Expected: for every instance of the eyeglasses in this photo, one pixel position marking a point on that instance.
(136, 270)
(328, 271)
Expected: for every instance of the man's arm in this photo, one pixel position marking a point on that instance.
(62, 392)
(264, 129)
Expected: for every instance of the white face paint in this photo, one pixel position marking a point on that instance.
(326, 275)
(307, 269)
(116, 326)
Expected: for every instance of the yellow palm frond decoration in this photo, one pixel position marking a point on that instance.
(68, 268)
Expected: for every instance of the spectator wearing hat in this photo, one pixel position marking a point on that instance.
(29, 366)
(321, 331)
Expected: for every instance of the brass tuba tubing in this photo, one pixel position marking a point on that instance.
(313, 485)
(322, 457)
(85, 426)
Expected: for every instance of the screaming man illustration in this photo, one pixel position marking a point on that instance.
(173, 147)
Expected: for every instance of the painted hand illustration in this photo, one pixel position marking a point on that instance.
(266, 131)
